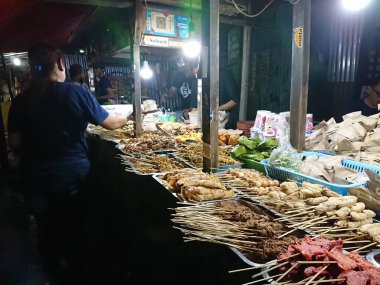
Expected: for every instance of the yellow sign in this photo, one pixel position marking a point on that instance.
(298, 37)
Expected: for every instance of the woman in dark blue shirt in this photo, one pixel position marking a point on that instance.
(47, 125)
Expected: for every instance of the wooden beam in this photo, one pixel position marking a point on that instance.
(139, 26)
(210, 83)
(247, 32)
(300, 72)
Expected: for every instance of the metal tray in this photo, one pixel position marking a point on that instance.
(374, 257)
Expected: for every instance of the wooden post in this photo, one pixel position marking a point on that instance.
(136, 59)
(210, 83)
(245, 72)
(3, 143)
(300, 72)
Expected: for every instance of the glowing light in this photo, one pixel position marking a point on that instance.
(16, 61)
(355, 5)
(81, 50)
(192, 49)
(146, 72)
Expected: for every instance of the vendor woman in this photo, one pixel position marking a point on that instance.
(369, 98)
(47, 124)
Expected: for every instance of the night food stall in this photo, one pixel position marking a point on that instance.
(280, 227)
(171, 222)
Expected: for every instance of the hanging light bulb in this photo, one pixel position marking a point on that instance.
(146, 72)
(16, 61)
(355, 5)
(192, 48)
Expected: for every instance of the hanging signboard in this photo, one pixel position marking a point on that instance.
(163, 23)
(160, 24)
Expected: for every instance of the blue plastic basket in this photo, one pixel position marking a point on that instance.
(284, 174)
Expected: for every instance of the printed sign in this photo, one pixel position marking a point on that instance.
(160, 24)
(156, 41)
(298, 37)
(183, 27)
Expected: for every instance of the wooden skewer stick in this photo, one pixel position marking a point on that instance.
(289, 232)
(317, 262)
(316, 275)
(286, 272)
(263, 279)
(366, 246)
(270, 269)
(356, 241)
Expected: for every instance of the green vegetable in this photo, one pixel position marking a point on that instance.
(239, 150)
(285, 157)
(267, 145)
(253, 156)
(250, 144)
(255, 139)
(265, 154)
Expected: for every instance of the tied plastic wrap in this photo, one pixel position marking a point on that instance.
(285, 155)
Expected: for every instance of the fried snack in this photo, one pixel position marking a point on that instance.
(148, 142)
(194, 185)
(193, 153)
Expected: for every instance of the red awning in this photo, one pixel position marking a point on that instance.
(26, 22)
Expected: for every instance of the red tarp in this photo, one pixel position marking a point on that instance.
(26, 22)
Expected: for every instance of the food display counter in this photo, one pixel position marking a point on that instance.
(173, 213)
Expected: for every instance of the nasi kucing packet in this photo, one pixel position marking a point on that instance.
(285, 155)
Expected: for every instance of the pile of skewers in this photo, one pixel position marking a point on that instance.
(196, 186)
(309, 207)
(150, 163)
(235, 224)
(192, 152)
(318, 261)
(148, 142)
(122, 133)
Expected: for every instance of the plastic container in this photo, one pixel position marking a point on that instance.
(193, 118)
(284, 174)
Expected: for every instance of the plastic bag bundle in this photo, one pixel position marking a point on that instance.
(285, 155)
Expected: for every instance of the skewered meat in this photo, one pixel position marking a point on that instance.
(372, 232)
(365, 228)
(342, 223)
(350, 267)
(369, 213)
(376, 239)
(358, 216)
(359, 223)
(205, 183)
(342, 213)
(354, 277)
(328, 193)
(316, 201)
(358, 207)
(348, 201)
(194, 185)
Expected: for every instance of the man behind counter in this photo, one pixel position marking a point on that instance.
(103, 87)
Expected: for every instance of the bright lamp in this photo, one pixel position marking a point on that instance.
(355, 5)
(146, 72)
(192, 49)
